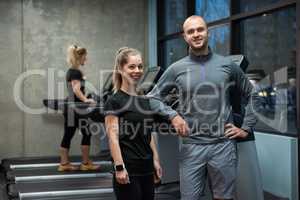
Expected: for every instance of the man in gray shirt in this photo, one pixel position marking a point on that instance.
(203, 80)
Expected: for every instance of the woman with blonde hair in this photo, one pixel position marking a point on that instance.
(73, 120)
(129, 121)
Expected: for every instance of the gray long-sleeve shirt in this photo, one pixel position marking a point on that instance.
(203, 84)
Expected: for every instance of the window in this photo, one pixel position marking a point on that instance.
(219, 39)
(213, 9)
(246, 5)
(171, 45)
(269, 42)
(175, 14)
(173, 50)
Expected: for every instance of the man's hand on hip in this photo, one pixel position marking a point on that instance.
(233, 132)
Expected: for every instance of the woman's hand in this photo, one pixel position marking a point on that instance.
(158, 171)
(91, 101)
(122, 177)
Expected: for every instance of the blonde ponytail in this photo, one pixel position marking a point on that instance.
(74, 55)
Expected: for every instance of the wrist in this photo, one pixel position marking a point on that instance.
(85, 100)
(173, 115)
(119, 167)
(156, 159)
(245, 133)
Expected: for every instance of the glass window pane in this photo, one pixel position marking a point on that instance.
(246, 5)
(173, 50)
(269, 43)
(219, 39)
(175, 12)
(212, 10)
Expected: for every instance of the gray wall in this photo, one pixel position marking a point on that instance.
(34, 35)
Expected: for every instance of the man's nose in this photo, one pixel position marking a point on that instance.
(196, 34)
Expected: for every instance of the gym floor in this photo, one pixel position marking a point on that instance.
(3, 192)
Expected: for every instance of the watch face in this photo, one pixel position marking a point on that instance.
(119, 167)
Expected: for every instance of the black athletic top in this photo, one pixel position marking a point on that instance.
(74, 74)
(135, 126)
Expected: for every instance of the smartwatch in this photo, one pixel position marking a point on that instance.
(119, 168)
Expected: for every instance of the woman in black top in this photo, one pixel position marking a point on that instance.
(73, 119)
(129, 121)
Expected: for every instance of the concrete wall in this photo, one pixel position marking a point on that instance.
(34, 35)
(11, 118)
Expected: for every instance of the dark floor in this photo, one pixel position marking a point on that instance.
(3, 193)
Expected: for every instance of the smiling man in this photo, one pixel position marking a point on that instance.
(204, 80)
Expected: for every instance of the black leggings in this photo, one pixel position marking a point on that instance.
(71, 123)
(139, 188)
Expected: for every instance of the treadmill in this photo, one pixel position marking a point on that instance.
(30, 178)
(38, 178)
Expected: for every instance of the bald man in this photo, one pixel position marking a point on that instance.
(203, 80)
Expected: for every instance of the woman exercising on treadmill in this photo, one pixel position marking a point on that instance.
(76, 58)
(129, 119)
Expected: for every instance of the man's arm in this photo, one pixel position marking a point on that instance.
(164, 85)
(249, 101)
(158, 95)
(168, 113)
(160, 108)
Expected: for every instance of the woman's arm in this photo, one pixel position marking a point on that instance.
(157, 166)
(154, 149)
(112, 130)
(76, 89)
